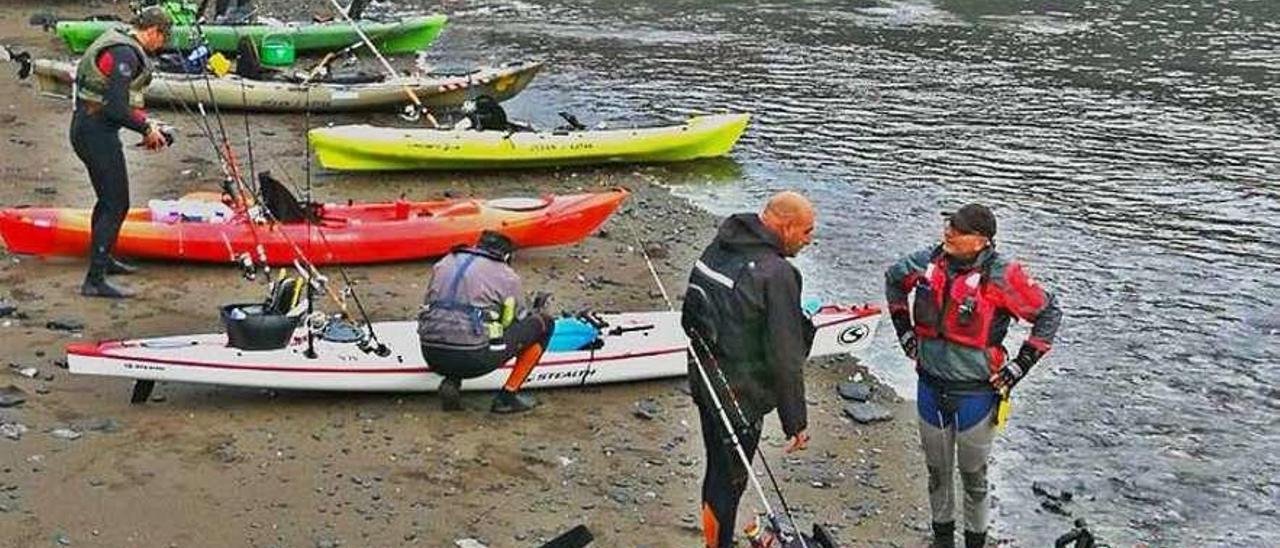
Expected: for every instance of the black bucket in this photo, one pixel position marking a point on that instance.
(254, 329)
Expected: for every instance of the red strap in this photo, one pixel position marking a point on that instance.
(106, 62)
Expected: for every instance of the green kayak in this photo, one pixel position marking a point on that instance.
(406, 36)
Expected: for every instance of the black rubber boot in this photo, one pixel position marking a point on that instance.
(116, 266)
(96, 285)
(512, 402)
(451, 394)
(975, 540)
(944, 535)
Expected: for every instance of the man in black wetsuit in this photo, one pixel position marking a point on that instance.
(110, 81)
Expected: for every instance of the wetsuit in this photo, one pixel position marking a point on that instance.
(743, 315)
(105, 102)
(471, 323)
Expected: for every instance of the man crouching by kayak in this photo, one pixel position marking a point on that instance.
(743, 316)
(471, 323)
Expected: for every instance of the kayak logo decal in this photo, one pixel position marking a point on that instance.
(853, 334)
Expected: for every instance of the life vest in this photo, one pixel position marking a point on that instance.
(485, 320)
(962, 308)
(91, 83)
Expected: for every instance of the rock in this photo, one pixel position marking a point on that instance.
(65, 325)
(867, 413)
(1048, 490)
(328, 543)
(647, 409)
(854, 391)
(656, 250)
(62, 540)
(29, 372)
(65, 434)
(469, 543)
(105, 425)
(12, 430)
(7, 309)
(12, 396)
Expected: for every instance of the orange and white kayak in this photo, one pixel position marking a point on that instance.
(346, 233)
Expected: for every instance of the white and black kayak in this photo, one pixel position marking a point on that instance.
(623, 347)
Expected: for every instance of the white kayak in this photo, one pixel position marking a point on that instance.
(630, 347)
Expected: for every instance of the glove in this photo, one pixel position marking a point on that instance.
(910, 346)
(906, 333)
(1014, 371)
(540, 300)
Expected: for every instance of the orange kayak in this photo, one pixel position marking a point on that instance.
(346, 234)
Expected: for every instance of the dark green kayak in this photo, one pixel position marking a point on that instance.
(408, 35)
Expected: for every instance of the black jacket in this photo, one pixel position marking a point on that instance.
(743, 305)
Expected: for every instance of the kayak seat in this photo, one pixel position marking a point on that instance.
(281, 204)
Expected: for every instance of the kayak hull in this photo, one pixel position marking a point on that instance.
(364, 148)
(407, 36)
(650, 345)
(231, 92)
(349, 234)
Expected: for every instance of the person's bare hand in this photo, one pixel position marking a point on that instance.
(154, 139)
(798, 442)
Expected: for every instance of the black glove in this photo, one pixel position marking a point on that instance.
(540, 300)
(906, 334)
(1015, 370)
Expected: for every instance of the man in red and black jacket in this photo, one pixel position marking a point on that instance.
(966, 295)
(109, 86)
(743, 316)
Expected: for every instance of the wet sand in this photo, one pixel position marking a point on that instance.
(217, 466)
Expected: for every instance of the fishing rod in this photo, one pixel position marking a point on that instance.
(417, 103)
(720, 408)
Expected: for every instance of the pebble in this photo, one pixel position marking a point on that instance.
(13, 430)
(647, 409)
(469, 543)
(11, 396)
(65, 325)
(867, 413)
(65, 434)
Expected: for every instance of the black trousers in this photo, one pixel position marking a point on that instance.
(97, 144)
(469, 364)
(726, 478)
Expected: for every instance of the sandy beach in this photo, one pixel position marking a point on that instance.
(216, 466)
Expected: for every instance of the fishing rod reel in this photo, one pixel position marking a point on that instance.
(22, 58)
(413, 113)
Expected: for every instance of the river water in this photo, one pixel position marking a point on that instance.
(1129, 148)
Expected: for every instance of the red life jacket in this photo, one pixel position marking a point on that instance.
(960, 309)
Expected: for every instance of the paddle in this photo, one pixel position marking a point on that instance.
(417, 103)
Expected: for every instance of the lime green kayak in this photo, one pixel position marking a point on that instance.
(406, 36)
(363, 147)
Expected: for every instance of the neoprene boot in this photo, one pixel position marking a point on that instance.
(96, 285)
(451, 394)
(512, 402)
(975, 540)
(944, 535)
(116, 266)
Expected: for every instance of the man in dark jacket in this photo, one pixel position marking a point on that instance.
(110, 81)
(966, 295)
(743, 316)
(472, 322)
